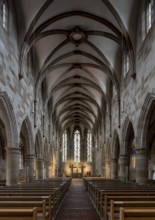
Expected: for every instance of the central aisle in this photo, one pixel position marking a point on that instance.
(77, 204)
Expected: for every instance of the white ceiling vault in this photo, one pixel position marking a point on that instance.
(78, 47)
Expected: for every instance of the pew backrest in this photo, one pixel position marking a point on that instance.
(137, 214)
(18, 214)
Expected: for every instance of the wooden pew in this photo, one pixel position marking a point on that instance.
(102, 191)
(116, 205)
(102, 200)
(122, 197)
(56, 196)
(30, 199)
(40, 205)
(137, 214)
(18, 214)
(55, 189)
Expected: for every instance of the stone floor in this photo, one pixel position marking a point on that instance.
(77, 204)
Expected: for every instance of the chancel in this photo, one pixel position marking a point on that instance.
(77, 109)
(77, 170)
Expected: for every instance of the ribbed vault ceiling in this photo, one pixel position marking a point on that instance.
(77, 47)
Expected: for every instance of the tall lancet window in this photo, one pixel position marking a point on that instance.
(125, 64)
(5, 14)
(64, 147)
(89, 146)
(77, 146)
(149, 14)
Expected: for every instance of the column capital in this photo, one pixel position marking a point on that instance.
(30, 156)
(12, 150)
(123, 157)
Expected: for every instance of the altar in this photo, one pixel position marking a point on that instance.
(77, 170)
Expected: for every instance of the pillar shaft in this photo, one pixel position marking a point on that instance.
(107, 167)
(114, 168)
(46, 169)
(39, 169)
(12, 166)
(123, 162)
(51, 169)
(104, 171)
(30, 165)
(141, 166)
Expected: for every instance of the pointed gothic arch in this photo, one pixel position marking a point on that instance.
(146, 132)
(115, 153)
(143, 121)
(129, 149)
(115, 145)
(8, 117)
(26, 129)
(127, 128)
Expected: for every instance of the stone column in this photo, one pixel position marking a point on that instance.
(103, 171)
(30, 165)
(46, 169)
(141, 166)
(114, 168)
(12, 166)
(107, 167)
(51, 169)
(39, 170)
(123, 162)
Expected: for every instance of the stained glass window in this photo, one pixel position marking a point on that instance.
(5, 14)
(64, 147)
(89, 147)
(125, 63)
(149, 10)
(77, 146)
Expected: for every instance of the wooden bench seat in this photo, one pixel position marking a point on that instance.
(115, 206)
(107, 202)
(55, 196)
(32, 200)
(103, 191)
(40, 205)
(51, 191)
(137, 214)
(107, 196)
(18, 214)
